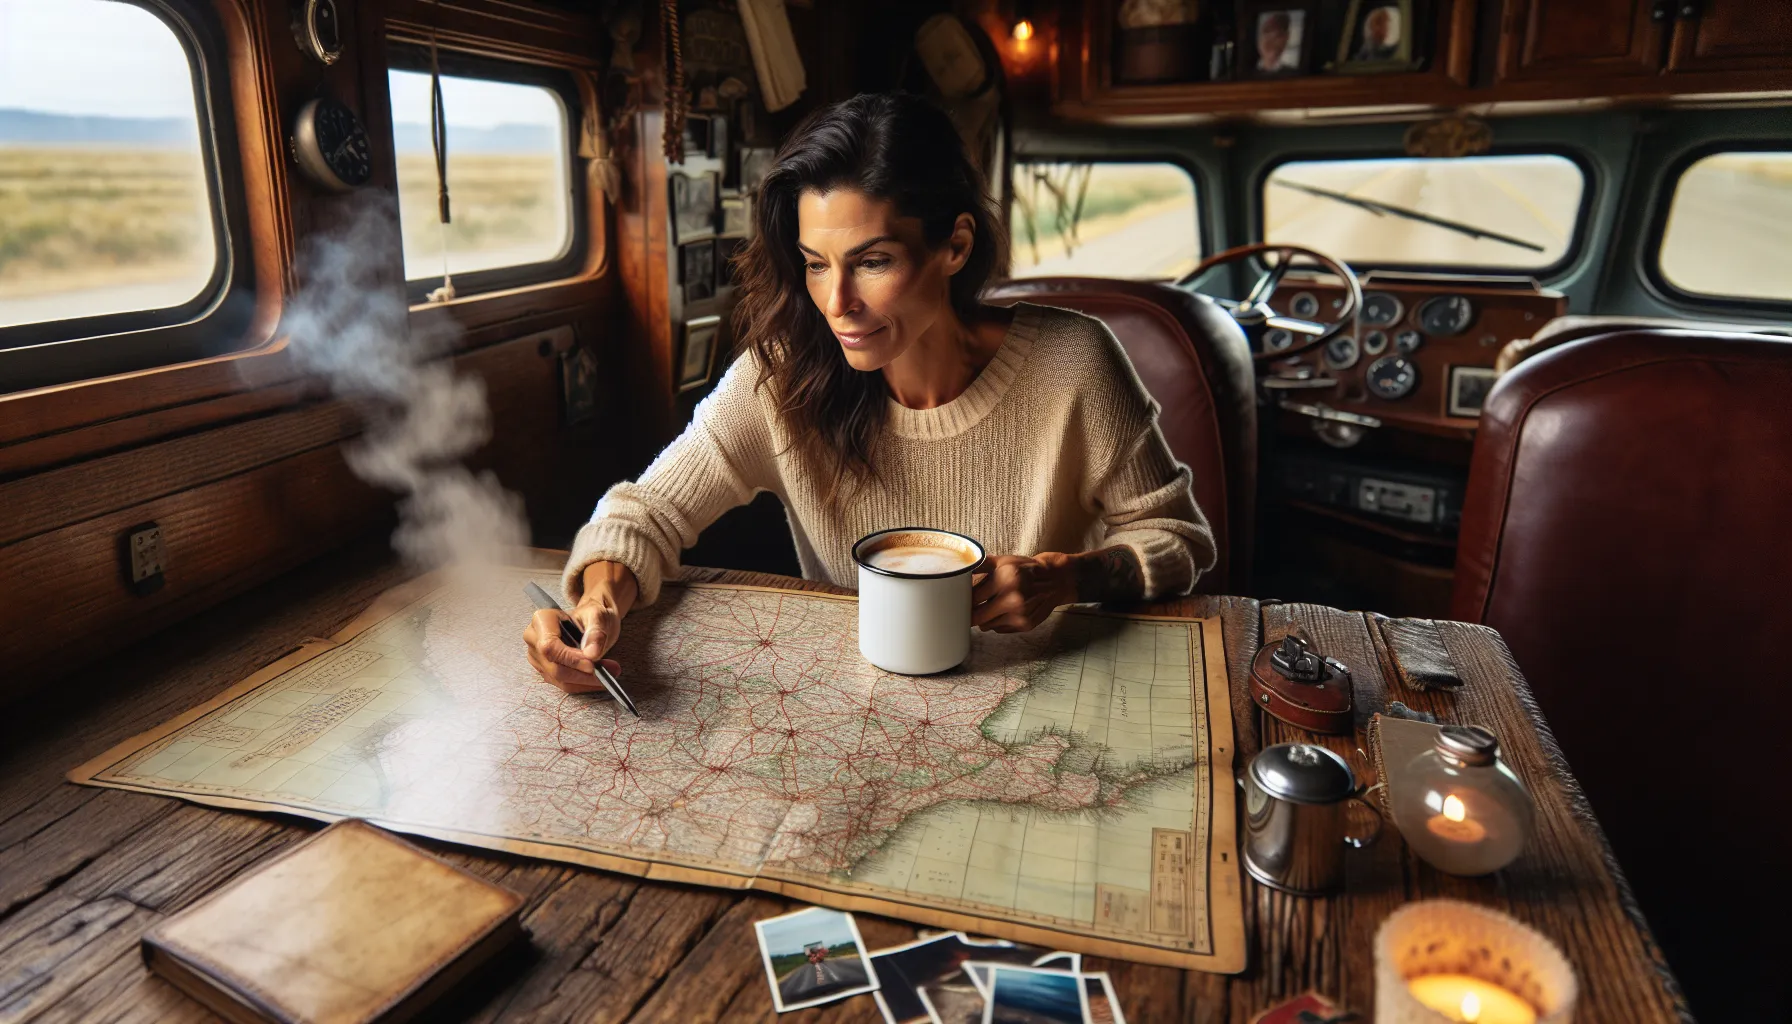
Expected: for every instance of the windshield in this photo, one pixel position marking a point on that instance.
(1493, 212)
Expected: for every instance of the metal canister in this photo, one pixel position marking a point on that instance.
(1295, 795)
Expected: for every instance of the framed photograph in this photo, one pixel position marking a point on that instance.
(693, 205)
(813, 956)
(1277, 40)
(697, 353)
(755, 164)
(1378, 35)
(1469, 386)
(718, 138)
(697, 269)
(737, 216)
(578, 385)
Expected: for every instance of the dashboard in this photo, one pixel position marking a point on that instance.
(1421, 353)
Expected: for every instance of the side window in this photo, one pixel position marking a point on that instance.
(1726, 233)
(109, 218)
(514, 214)
(1116, 219)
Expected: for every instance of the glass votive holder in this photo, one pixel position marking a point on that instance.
(1440, 961)
(1459, 807)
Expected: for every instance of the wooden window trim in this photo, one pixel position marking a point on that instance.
(65, 422)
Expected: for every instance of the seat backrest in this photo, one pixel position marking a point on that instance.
(1194, 360)
(1628, 530)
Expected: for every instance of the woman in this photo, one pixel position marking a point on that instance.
(876, 390)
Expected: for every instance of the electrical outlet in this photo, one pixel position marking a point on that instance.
(144, 558)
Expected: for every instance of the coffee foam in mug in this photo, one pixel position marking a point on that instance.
(921, 553)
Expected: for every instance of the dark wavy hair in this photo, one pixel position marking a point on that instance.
(891, 146)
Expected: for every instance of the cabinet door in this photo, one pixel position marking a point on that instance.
(1561, 39)
(1732, 35)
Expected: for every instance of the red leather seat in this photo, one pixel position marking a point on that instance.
(1628, 530)
(1194, 360)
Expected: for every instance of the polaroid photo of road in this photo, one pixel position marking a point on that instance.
(978, 969)
(813, 956)
(1104, 1005)
(1031, 995)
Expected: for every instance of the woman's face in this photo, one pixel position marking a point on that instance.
(872, 275)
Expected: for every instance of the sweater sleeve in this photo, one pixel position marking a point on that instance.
(723, 458)
(1139, 490)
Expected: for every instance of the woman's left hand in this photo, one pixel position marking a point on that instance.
(1016, 593)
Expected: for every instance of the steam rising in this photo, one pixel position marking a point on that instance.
(422, 418)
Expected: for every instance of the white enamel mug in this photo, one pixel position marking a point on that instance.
(915, 623)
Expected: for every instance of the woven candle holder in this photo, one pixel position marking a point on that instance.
(1452, 937)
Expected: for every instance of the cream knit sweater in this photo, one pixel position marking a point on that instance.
(1054, 447)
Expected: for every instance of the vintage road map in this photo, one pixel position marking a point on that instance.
(1069, 786)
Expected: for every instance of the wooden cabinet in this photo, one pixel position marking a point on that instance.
(1580, 38)
(1629, 47)
(1731, 35)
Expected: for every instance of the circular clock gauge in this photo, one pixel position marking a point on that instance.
(1341, 352)
(1277, 339)
(1375, 343)
(1447, 315)
(1381, 309)
(331, 147)
(1392, 377)
(1408, 342)
(1304, 305)
(318, 29)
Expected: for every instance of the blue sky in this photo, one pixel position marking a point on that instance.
(116, 59)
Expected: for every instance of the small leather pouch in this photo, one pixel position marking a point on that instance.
(1293, 683)
(1413, 653)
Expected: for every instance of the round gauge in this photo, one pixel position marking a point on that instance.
(331, 147)
(1277, 339)
(1447, 315)
(1304, 305)
(1375, 343)
(1341, 352)
(318, 29)
(1392, 377)
(1408, 342)
(1381, 309)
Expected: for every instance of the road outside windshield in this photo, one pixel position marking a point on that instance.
(1494, 212)
(1103, 220)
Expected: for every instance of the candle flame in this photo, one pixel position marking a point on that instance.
(1023, 31)
(1471, 1003)
(1454, 811)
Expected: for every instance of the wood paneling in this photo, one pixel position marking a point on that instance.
(1732, 35)
(1579, 38)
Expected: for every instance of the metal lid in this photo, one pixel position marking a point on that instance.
(1303, 773)
(1470, 744)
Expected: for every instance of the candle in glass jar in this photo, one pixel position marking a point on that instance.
(1454, 823)
(1469, 1000)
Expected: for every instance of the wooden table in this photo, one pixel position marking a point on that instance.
(83, 872)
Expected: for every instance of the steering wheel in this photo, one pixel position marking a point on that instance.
(1253, 312)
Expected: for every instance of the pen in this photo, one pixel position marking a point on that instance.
(569, 635)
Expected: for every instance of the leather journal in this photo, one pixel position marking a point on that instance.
(350, 926)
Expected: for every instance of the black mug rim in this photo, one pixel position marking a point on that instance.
(859, 545)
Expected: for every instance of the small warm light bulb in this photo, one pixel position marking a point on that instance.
(1023, 30)
(1453, 808)
(1471, 1003)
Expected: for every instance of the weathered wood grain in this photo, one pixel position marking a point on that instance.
(95, 869)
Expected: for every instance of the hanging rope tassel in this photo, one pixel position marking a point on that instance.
(438, 140)
(672, 130)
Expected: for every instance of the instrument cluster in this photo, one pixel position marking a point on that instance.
(1422, 346)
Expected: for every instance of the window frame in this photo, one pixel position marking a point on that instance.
(405, 56)
(54, 352)
(1577, 241)
(1203, 235)
(1649, 253)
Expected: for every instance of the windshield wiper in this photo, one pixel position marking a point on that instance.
(1379, 208)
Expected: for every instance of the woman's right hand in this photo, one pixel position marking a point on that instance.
(610, 591)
